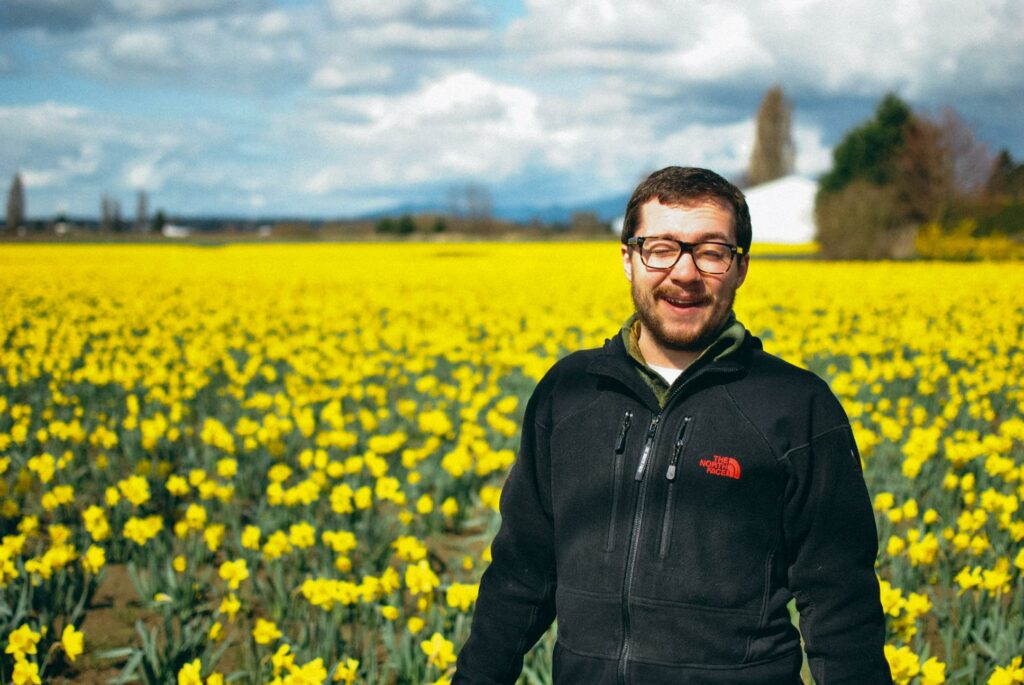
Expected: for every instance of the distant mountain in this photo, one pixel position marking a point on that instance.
(607, 209)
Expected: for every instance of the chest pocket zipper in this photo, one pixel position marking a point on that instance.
(670, 476)
(618, 459)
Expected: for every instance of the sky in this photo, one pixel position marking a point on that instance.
(254, 108)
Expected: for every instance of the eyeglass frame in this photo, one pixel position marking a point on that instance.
(685, 248)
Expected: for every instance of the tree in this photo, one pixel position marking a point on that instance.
(110, 214)
(15, 205)
(774, 154)
(141, 213)
(867, 152)
(857, 209)
(159, 221)
(970, 159)
(405, 225)
(1006, 178)
(895, 173)
(859, 222)
(471, 201)
(923, 184)
(586, 222)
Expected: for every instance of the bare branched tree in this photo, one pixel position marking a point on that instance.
(970, 159)
(470, 201)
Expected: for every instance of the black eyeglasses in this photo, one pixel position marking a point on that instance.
(657, 252)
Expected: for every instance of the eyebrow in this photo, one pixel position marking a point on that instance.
(701, 237)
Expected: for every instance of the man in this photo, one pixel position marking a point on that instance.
(677, 487)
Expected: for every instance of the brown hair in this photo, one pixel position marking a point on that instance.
(675, 186)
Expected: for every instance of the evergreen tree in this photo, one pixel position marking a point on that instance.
(1006, 179)
(405, 225)
(859, 212)
(15, 204)
(159, 221)
(141, 213)
(774, 154)
(868, 151)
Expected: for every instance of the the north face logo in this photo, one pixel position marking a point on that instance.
(721, 466)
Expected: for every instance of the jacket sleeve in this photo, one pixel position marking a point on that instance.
(832, 543)
(516, 602)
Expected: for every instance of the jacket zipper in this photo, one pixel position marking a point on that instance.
(648, 445)
(670, 476)
(634, 545)
(617, 458)
(634, 542)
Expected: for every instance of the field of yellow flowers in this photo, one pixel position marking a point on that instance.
(294, 452)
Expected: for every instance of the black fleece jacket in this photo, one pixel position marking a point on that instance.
(668, 540)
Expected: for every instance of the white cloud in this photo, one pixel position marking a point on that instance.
(239, 54)
(145, 50)
(406, 36)
(458, 126)
(162, 9)
(638, 26)
(273, 23)
(371, 102)
(52, 143)
(412, 10)
(920, 46)
(152, 171)
(813, 157)
(466, 126)
(340, 75)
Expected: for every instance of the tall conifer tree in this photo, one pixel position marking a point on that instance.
(774, 154)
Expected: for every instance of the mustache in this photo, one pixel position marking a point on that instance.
(694, 298)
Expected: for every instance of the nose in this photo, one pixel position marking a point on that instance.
(685, 269)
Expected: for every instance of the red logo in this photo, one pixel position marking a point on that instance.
(722, 466)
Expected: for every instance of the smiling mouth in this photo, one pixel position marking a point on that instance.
(683, 304)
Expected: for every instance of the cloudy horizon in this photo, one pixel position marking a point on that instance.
(340, 108)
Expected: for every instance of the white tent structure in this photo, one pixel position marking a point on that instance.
(782, 211)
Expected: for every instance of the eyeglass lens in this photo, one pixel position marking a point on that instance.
(712, 258)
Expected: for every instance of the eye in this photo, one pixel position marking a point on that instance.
(711, 252)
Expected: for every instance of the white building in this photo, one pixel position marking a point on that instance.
(176, 231)
(782, 211)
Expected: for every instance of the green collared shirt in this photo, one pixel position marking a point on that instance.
(728, 341)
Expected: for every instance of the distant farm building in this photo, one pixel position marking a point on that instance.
(782, 211)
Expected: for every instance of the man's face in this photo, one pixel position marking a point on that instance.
(681, 308)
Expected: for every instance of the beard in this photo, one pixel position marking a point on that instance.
(688, 337)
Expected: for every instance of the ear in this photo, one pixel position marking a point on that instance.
(741, 268)
(627, 262)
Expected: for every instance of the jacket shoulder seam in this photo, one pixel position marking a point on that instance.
(750, 422)
(814, 438)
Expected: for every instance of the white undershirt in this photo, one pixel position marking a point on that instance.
(669, 373)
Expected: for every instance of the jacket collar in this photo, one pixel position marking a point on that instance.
(729, 354)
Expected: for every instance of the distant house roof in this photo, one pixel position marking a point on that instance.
(176, 231)
(782, 211)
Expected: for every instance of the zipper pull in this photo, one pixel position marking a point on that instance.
(620, 442)
(648, 444)
(670, 475)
